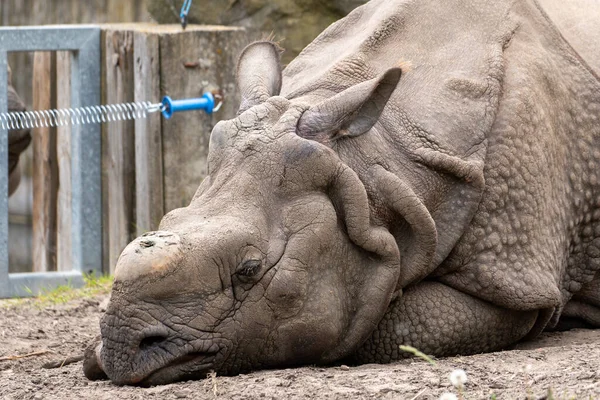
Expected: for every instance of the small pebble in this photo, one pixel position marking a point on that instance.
(103, 305)
(182, 394)
(345, 368)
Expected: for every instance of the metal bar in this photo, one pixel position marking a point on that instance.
(86, 205)
(47, 37)
(4, 282)
(86, 164)
(25, 284)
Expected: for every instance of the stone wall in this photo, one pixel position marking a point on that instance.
(294, 22)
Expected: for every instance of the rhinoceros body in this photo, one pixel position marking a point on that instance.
(424, 173)
(18, 139)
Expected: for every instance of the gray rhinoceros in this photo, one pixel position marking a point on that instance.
(18, 139)
(425, 173)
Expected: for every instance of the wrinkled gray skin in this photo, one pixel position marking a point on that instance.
(18, 140)
(424, 173)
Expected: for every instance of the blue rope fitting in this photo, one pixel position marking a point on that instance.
(206, 103)
(183, 15)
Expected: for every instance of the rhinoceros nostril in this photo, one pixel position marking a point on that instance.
(151, 341)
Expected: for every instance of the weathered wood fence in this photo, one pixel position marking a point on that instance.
(150, 166)
(58, 12)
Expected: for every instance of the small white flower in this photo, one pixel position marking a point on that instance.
(448, 396)
(458, 378)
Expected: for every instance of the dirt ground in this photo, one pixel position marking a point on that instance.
(567, 363)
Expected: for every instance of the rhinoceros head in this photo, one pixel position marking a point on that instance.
(275, 262)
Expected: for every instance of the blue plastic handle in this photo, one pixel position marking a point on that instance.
(206, 103)
(185, 9)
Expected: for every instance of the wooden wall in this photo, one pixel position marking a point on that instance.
(52, 12)
(150, 166)
(23, 249)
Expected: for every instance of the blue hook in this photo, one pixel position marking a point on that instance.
(206, 103)
(183, 15)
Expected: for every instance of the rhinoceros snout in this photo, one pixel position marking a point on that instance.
(152, 252)
(154, 355)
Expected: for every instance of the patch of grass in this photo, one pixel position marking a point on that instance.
(417, 353)
(98, 284)
(94, 286)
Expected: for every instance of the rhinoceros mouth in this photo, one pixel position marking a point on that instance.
(195, 365)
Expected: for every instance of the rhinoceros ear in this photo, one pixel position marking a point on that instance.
(351, 112)
(259, 73)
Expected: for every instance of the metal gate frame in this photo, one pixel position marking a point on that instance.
(86, 204)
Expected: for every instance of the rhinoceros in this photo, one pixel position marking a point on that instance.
(424, 173)
(18, 139)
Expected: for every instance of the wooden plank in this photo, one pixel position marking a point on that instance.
(119, 148)
(42, 12)
(148, 140)
(3, 13)
(63, 152)
(193, 62)
(45, 174)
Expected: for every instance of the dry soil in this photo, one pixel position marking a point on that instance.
(566, 363)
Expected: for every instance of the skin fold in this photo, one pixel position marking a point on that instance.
(402, 181)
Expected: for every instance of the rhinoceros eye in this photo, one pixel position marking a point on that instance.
(249, 268)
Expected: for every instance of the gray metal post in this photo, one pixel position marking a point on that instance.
(84, 43)
(4, 276)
